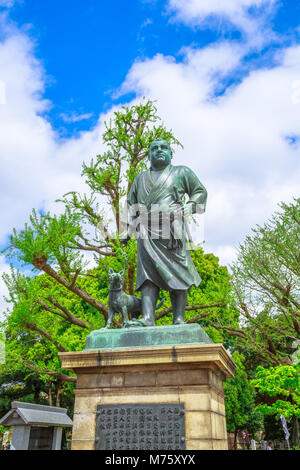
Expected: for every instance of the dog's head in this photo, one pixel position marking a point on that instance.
(115, 279)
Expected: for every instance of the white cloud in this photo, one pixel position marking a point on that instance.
(35, 166)
(27, 141)
(7, 3)
(201, 12)
(75, 117)
(200, 8)
(146, 23)
(235, 143)
(225, 253)
(4, 269)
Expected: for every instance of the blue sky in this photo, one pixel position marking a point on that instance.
(87, 48)
(225, 76)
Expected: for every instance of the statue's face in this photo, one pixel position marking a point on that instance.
(160, 154)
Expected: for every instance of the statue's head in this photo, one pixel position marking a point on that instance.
(160, 153)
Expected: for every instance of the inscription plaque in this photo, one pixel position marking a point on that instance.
(140, 427)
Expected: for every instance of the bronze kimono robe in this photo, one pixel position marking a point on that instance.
(168, 269)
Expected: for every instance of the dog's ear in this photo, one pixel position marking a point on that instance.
(122, 272)
(110, 271)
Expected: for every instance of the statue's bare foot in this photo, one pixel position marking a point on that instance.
(179, 322)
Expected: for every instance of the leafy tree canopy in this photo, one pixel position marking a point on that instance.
(266, 279)
(282, 383)
(240, 401)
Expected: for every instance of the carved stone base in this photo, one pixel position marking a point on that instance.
(191, 375)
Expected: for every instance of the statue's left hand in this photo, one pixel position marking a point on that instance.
(186, 210)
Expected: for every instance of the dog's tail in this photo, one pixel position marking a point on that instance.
(160, 304)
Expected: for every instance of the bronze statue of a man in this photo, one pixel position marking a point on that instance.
(163, 260)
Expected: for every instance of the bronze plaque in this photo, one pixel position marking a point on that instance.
(140, 427)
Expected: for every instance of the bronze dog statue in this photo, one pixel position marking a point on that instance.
(120, 302)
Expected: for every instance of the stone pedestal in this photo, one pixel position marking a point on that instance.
(190, 374)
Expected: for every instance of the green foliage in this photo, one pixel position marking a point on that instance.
(215, 289)
(48, 238)
(240, 400)
(129, 136)
(271, 252)
(214, 298)
(266, 283)
(282, 383)
(3, 429)
(16, 386)
(266, 279)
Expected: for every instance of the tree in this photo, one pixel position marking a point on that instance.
(18, 383)
(266, 283)
(282, 383)
(55, 244)
(240, 402)
(55, 310)
(32, 370)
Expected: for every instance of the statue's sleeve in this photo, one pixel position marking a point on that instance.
(132, 201)
(132, 195)
(195, 190)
